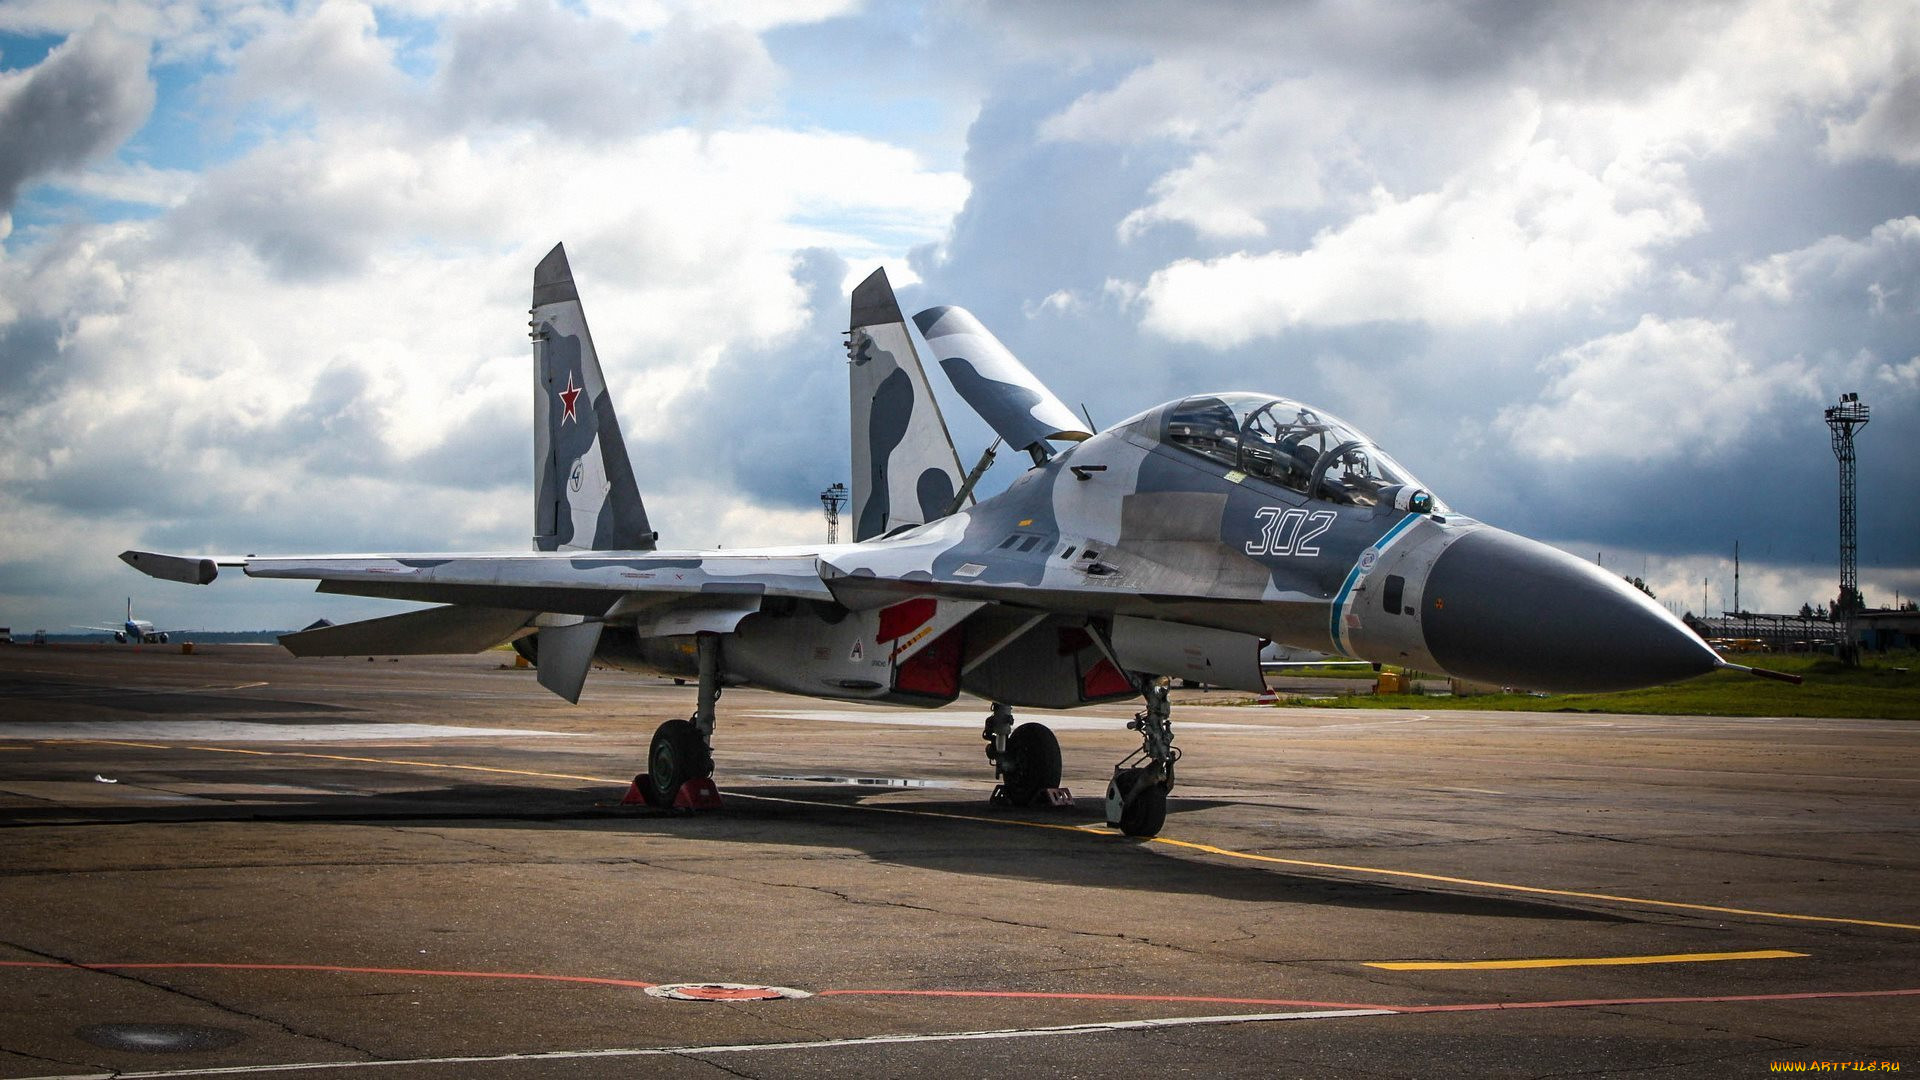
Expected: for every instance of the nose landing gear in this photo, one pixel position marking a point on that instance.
(1137, 794)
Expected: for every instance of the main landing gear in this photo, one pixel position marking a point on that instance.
(1137, 794)
(1026, 759)
(682, 750)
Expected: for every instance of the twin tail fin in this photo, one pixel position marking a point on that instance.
(585, 496)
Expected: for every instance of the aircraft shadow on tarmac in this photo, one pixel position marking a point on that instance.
(832, 818)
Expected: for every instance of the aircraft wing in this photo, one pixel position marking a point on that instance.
(566, 583)
(493, 598)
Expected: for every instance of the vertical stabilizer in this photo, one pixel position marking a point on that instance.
(905, 471)
(1007, 396)
(585, 497)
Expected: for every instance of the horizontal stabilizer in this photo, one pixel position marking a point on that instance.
(1018, 407)
(456, 628)
(192, 569)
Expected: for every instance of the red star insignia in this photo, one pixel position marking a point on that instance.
(567, 398)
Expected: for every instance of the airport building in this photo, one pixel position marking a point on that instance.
(1745, 631)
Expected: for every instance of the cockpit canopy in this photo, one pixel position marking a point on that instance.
(1286, 443)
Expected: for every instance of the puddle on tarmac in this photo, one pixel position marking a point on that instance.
(865, 781)
(158, 1038)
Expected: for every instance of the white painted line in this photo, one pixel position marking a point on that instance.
(248, 731)
(954, 719)
(70, 691)
(740, 1048)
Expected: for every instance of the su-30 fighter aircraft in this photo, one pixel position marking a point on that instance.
(1171, 546)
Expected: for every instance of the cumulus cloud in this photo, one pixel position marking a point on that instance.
(1461, 165)
(755, 15)
(1879, 273)
(76, 106)
(1888, 127)
(576, 74)
(1541, 235)
(332, 53)
(1654, 392)
(586, 77)
(1905, 376)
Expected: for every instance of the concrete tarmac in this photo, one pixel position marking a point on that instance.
(236, 863)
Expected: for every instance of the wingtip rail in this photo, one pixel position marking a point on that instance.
(193, 570)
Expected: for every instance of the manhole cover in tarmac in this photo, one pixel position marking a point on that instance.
(723, 991)
(158, 1038)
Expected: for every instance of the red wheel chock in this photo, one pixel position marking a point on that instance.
(695, 794)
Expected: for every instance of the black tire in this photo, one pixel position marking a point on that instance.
(1032, 764)
(1145, 812)
(676, 756)
(644, 782)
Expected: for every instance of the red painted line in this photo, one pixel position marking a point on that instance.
(1044, 995)
(1484, 1006)
(334, 968)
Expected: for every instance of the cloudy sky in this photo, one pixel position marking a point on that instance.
(1591, 270)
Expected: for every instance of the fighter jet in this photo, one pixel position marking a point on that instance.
(1170, 546)
(138, 631)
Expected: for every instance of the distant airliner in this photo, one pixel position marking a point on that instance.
(138, 631)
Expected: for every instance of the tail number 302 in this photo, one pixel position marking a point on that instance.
(1289, 531)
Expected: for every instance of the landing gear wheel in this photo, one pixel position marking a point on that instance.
(1146, 813)
(1143, 802)
(677, 755)
(1031, 764)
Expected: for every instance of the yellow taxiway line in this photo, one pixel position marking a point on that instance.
(1210, 849)
(1578, 961)
(1532, 889)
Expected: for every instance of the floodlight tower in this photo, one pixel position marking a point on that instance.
(832, 500)
(1843, 420)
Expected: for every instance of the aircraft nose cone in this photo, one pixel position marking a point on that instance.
(1502, 609)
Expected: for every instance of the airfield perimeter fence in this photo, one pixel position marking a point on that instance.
(1747, 631)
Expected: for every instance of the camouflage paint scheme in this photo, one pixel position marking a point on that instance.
(1162, 546)
(905, 471)
(995, 383)
(585, 496)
